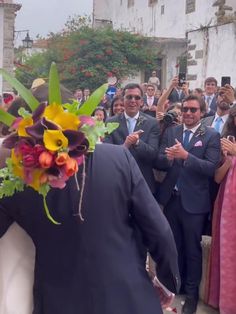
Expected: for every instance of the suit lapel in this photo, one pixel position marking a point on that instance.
(140, 122)
(123, 125)
(195, 138)
(179, 133)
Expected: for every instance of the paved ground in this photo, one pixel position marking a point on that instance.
(202, 308)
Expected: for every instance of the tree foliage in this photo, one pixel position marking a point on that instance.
(85, 56)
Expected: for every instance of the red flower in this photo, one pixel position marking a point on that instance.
(109, 52)
(30, 161)
(25, 149)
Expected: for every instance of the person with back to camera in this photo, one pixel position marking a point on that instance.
(94, 253)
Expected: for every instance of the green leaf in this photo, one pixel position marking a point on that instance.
(54, 85)
(24, 113)
(90, 105)
(111, 126)
(24, 92)
(72, 108)
(6, 117)
(9, 182)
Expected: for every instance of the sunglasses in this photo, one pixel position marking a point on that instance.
(192, 110)
(135, 97)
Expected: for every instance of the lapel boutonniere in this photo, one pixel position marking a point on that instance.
(140, 120)
(201, 131)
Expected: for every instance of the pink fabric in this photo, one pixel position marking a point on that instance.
(222, 279)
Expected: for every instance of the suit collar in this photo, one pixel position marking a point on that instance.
(196, 136)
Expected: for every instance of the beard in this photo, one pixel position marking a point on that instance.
(223, 106)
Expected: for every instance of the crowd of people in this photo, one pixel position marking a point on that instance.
(184, 145)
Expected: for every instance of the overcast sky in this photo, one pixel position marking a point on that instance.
(45, 16)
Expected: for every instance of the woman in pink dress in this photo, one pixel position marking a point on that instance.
(222, 277)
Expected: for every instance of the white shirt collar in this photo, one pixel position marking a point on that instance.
(211, 96)
(224, 117)
(193, 130)
(128, 117)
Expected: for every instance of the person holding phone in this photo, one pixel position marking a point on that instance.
(222, 286)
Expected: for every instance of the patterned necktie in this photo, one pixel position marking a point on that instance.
(187, 134)
(131, 124)
(218, 123)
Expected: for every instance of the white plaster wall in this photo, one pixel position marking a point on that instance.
(132, 79)
(203, 15)
(150, 22)
(221, 57)
(172, 52)
(1, 44)
(222, 52)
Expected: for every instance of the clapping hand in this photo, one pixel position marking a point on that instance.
(176, 151)
(228, 147)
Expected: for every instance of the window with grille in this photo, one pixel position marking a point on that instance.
(152, 2)
(190, 6)
(162, 9)
(130, 3)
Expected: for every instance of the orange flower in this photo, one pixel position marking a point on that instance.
(43, 179)
(61, 159)
(45, 160)
(71, 167)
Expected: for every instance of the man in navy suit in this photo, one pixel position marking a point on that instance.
(138, 132)
(95, 266)
(192, 152)
(210, 97)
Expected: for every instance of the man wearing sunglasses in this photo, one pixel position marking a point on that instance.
(192, 152)
(137, 131)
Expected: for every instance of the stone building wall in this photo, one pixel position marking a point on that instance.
(7, 22)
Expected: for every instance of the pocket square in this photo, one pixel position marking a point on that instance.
(198, 144)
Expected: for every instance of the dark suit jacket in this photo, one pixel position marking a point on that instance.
(155, 102)
(213, 107)
(95, 266)
(146, 151)
(194, 173)
(175, 97)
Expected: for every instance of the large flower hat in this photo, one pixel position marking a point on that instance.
(48, 144)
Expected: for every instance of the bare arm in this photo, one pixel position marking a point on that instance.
(164, 96)
(222, 170)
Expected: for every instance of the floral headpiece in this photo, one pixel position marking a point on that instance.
(49, 143)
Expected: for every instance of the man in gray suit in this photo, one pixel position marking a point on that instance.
(137, 131)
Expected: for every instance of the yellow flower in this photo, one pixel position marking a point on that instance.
(65, 120)
(36, 182)
(52, 111)
(54, 140)
(23, 124)
(17, 167)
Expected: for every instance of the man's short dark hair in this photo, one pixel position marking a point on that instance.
(210, 80)
(132, 86)
(201, 102)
